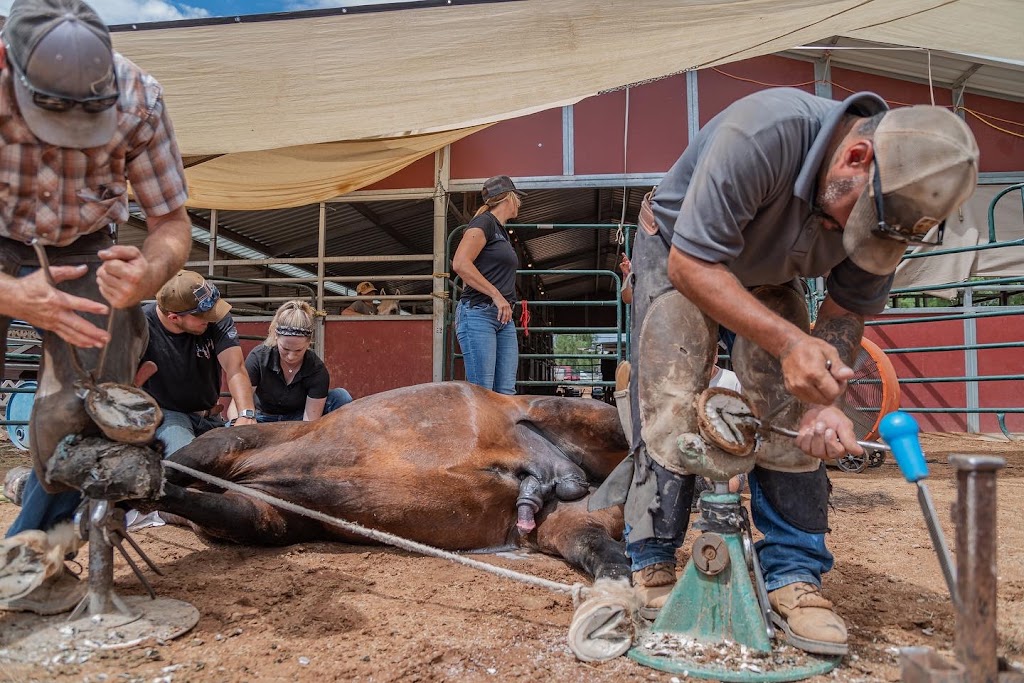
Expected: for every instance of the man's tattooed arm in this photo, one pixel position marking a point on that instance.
(840, 328)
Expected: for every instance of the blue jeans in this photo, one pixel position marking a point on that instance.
(336, 398)
(490, 351)
(787, 554)
(180, 429)
(42, 510)
(650, 551)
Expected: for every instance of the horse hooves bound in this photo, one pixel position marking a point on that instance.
(603, 626)
(106, 470)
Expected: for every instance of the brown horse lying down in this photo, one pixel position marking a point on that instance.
(450, 465)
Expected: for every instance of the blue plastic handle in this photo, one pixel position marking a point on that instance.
(900, 431)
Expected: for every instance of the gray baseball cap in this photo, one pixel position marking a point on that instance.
(498, 185)
(63, 71)
(925, 167)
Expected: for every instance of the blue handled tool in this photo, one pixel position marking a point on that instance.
(900, 431)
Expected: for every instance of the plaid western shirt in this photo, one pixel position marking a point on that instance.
(58, 193)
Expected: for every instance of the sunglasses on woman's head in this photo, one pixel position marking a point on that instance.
(60, 103)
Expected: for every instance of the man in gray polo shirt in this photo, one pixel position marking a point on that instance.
(781, 185)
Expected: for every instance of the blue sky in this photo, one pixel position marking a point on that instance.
(136, 11)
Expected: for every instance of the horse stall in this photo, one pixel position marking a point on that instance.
(347, 612)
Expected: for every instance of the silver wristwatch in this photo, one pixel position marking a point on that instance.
(251, 414)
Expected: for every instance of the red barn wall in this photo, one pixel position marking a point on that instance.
(370, 357)
(526, 146)
(366, 357)
(719, 87)
(599, 122)
(993, 394)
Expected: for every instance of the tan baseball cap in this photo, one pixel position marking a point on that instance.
(926, 160)
(188, 293)
(364, 287)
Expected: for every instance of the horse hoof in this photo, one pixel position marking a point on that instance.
(602, 628)
(26, 560)
(14, 484)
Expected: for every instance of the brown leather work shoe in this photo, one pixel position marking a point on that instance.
(57, 594)
(652, 586)
(808, 619)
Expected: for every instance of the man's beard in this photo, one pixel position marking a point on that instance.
(834, 191)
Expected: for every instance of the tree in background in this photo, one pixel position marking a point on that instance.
(573, 344)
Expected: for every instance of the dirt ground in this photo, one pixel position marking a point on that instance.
(329, 612)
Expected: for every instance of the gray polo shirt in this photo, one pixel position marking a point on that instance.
(742, 195)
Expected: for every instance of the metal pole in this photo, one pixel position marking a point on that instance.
(321, 252)
(975, 516)
(442, 178)
(971, 362)
(213, 241)
(692, 106)
(101, 567)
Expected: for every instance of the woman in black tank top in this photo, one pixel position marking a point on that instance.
(487, 262)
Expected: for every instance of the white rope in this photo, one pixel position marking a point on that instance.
(381, 536)
(931, 86)
(620, 237)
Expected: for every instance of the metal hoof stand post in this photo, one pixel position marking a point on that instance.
(972, 584)
(105, 472)
(717, 622)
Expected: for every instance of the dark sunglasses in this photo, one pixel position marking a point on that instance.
(59, 103)
(206, 298)
(883, 229)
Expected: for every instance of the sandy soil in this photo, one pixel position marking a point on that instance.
(326, 612)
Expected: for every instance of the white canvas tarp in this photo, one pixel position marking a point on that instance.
(270, 84)
(969, 227)
(306, 174)
(292, 83)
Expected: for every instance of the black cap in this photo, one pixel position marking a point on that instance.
(497, 186)
(62, 48)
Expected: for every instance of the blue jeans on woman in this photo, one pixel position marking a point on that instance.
(336, 398)
(787, 554)
(490, 350)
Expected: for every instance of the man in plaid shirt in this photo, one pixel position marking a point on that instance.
(78, 123)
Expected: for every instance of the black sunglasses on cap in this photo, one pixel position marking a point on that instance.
(60, 103)
(883, 229)
(206, 298)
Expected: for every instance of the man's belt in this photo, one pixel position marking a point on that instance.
(647, 221)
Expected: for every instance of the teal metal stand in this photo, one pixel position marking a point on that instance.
(714, 626)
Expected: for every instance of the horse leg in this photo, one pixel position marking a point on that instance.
(217, 451)
(587, 540)
(602, 626)
(236, 517)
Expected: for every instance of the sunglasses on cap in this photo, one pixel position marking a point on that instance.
(206, 298)
(60, 103)
(883, 229)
